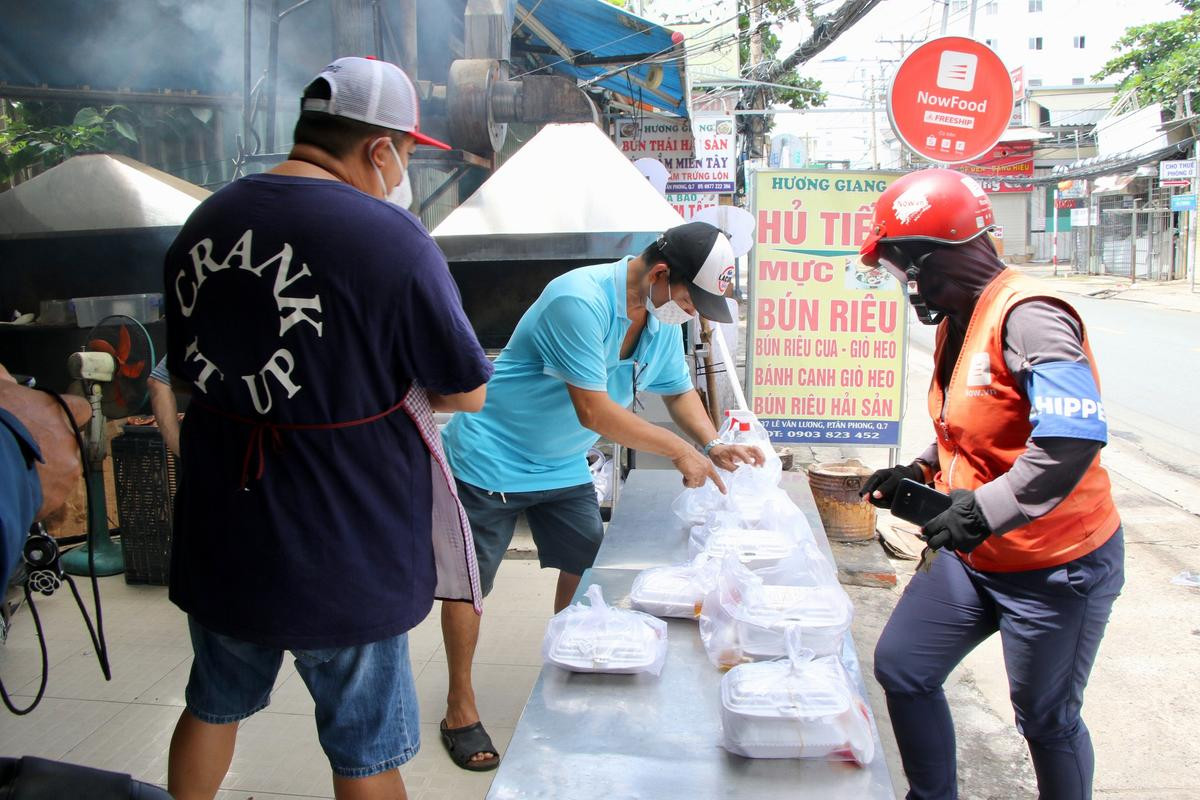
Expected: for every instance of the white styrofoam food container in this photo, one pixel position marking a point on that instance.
(776, 709)
(823, 614)
(754, 547)
(674, 591)
(598, 638)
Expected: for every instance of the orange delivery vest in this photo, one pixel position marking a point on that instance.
(982, 424)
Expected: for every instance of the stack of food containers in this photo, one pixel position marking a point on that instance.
(762, 590)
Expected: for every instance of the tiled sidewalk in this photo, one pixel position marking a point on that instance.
(126, 724)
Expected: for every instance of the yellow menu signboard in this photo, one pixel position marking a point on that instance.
(826, 351)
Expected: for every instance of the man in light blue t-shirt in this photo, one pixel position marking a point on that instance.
(595, 338)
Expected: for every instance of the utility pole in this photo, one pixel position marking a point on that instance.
(945, 16)
(755, 36)
(1088, 200)
(971, 28)
(903, 41)
(758, 125)
(874, 138)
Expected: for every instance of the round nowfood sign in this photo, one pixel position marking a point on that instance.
(951, 99)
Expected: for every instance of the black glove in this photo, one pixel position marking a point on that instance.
(961, 527)
(885, 482)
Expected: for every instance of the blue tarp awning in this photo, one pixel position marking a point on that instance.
(595, 42)
(198, 45)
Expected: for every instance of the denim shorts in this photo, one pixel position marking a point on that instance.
(565, 523)
(366, 701)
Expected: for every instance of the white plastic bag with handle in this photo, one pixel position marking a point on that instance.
(771, 510)
(745, 618)
(694, 505)
(600, 638)
(800, 707)
(736, 585)
(743, 428)
(804, 566)
(601, 469)
(753, 546)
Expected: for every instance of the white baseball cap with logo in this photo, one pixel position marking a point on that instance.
(706, 258)
(371, 91)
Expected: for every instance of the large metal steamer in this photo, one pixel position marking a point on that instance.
(96, 225)
(567, 198)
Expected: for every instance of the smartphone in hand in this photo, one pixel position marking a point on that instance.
(917, 503)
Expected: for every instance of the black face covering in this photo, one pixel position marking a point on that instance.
(945, 280)
(905, 266)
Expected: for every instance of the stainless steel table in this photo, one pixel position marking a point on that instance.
(587, 736)
(645, 533)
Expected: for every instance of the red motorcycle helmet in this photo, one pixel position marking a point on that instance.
(932, 205)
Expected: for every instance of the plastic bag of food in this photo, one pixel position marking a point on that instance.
(694, 505)
(754, 547)
(804, 566)
(746, 502)
(777, 512)
(677, 590)
(736, 585)
(801, 707)
(756, 504)
(823, 614)
(743, 427)
(745, 619)
(749, 488)
(599, 638)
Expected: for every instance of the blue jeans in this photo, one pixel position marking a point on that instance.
(366, 701)
(1050, 621)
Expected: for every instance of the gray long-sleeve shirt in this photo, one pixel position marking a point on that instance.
(1036, 332)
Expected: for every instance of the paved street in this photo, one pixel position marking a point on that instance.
(1149, 358)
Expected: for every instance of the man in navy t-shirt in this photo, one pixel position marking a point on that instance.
(303, 305)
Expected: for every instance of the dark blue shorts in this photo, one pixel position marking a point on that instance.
(366, 701)
(565, 523)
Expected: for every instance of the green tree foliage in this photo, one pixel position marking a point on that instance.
(32, 138)
(37, 136)
(1159, 60)
(807, 91)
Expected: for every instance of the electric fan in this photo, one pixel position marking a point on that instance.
(112, 371)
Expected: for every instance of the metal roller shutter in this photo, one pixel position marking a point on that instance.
(1012, 214)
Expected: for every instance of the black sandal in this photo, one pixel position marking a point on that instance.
(464, 743)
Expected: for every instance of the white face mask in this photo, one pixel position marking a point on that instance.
(402, 195)
(669, 313)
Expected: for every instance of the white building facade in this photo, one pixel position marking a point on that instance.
(1055, 46)
(1056, 43)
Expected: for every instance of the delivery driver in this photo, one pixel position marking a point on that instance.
(1032, 544)
(595, 338)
